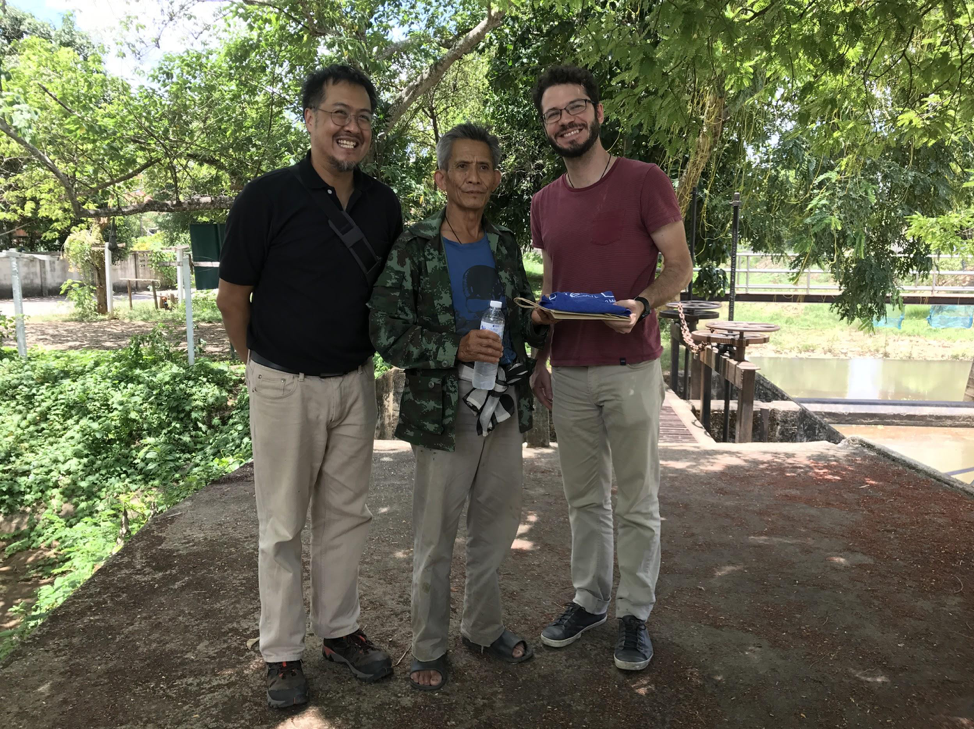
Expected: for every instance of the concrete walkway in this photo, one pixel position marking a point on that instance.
(803, 586)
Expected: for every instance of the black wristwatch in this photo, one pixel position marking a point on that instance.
(646, 308)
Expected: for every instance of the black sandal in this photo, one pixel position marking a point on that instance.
(503, 647)
(439, 665)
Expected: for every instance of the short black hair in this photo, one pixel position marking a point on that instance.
(473, 132)
(557, 75)
(313, 90)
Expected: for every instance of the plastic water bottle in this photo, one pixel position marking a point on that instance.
(485, 373)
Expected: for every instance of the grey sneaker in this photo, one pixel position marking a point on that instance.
(286, 685)
(634, 650)
(570, 625)
(363, 658)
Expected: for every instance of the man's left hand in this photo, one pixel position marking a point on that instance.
(624, 326)
(542, 317)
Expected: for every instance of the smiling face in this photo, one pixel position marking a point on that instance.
(470, 176)
(571, 136)
(341, 148)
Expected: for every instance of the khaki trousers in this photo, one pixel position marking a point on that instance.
(608, 418)
(312, 446)
(486, 474)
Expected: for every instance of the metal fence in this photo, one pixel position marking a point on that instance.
(184, 294)
(820, 281)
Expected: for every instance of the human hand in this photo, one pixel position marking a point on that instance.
(542, 317)
(480, 345)
(541, 384)
(624, 326)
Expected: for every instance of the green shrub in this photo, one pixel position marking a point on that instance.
(83, 297)
(118, 436)
(7, 326)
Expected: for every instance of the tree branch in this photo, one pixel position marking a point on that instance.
(122, 178)
(308, 21)
(46, 161)
(429, 78)
(207, 202)
(60, 103)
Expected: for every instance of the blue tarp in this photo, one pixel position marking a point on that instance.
(951, 317)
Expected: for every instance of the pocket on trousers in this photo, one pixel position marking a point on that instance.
(269, 384)
(645, 364)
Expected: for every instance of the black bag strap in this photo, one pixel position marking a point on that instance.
(347, 230)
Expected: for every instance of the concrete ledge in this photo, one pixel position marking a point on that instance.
(861, 414)
(932, 473)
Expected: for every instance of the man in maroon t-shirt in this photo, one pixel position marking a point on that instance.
(600, 227)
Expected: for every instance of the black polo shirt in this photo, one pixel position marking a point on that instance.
(309, 309)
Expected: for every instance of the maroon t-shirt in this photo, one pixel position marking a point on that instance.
(599, 239)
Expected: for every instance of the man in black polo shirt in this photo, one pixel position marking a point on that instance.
(293, 292)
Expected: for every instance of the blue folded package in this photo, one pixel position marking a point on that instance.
(604, 303)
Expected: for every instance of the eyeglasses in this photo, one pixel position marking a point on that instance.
(342, 118)
(575, 108)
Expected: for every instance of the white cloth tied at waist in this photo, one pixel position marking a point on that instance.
(497, 405)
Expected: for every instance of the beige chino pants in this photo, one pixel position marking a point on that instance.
(607, 418)
(486, 474)
(312, 446)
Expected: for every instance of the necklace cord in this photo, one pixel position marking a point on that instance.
(572, 184)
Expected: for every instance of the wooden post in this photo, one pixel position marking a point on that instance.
(745, 406)
(155, 299)
(128, 285)
(707, 382)
(540, 434)
(675, 356)
(696, 377)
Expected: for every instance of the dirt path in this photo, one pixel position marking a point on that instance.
(115, 334)
(802, 586)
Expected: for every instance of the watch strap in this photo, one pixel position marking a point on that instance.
(646, 308)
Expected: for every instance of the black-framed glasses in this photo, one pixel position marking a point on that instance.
(341, 117)
(574, 108)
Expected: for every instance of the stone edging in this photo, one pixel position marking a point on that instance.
(906, 461)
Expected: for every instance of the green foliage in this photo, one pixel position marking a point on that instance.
(7, 325)
(92, 443)
(82, 296)
(381, 366)
(847, 127)
(84, 250)
(710, 281)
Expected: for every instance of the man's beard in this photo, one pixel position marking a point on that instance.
(577, 151)
(342, 165)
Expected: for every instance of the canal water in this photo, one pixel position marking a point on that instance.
(949, 450)
(867, 379)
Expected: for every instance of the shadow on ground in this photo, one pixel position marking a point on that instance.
(802, 586)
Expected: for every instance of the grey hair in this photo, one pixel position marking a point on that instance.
(473, 132)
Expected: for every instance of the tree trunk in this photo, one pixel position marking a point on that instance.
(101, 294)
(969, 392)
(713, 124)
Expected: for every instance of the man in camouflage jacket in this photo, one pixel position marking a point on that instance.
(425, 318)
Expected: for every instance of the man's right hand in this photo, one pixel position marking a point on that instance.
(480, 345)
(541, 384)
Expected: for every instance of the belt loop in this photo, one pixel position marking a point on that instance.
(301, 377)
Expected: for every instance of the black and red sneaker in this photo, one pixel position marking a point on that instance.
(362, 657)
(286, 685)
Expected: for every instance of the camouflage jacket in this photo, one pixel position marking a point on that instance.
(413, 326)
